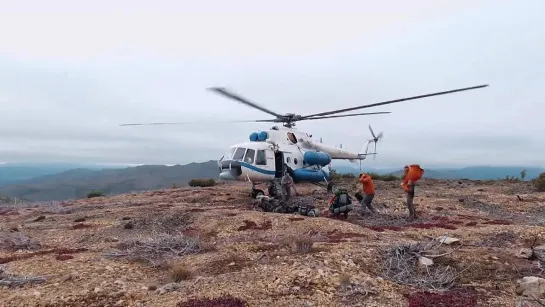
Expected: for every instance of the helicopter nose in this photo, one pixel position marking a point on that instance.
(227, 175)
(230, 170)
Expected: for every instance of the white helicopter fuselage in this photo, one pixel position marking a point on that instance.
(269, 152)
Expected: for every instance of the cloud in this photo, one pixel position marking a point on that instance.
(72, 72)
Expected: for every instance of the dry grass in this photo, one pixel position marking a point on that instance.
(12, 280)
(156, 250)
(179, 272)
(401, 266)
(14, 241)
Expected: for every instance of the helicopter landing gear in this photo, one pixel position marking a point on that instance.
(256, 193)
(330, 187)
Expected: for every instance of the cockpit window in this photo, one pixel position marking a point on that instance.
(229, 153)
(249, 157)
(239, 153)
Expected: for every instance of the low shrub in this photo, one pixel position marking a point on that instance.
(386, 177)
(202, 182)
(95, 193)
(539, 182)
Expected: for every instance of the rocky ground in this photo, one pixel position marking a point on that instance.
(211, 247)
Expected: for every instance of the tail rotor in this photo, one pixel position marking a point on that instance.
(375, 139)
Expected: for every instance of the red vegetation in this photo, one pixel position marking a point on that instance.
(252, 225)
(455, 298)
(338, 237)
(384, 228)
(440, 219)
(9, 212)
(432, 225)
(224, 301)
(469, 217)
(63, 257)
(497, 222)
(293, 219)
(190, 231)
(81, 226)
(58, 251)
(197, 210)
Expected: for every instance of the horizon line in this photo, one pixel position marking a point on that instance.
(346, 165)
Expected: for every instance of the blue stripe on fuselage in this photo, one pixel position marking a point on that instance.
(257, 169)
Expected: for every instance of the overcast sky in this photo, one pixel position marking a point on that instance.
(72, 71)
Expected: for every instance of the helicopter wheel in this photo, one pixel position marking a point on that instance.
(256, 192)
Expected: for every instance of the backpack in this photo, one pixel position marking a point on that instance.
(341, 202)
(342, 198)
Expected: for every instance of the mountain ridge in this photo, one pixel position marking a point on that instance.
(76, 183)
(469, 172)
(79, 181)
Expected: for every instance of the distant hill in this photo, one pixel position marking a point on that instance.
(16, 172)
(471, 172)
(76, 183)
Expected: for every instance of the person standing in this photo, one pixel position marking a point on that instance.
(368, 192)
(413, 173)
(287, 184)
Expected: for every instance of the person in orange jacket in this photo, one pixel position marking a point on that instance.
(368, 192)
(413, 173)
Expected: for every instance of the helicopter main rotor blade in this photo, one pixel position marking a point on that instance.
(346, 115)
(192, 123)
(395, 100)
(236, 97)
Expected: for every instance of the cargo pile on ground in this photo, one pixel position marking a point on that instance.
(472, 245)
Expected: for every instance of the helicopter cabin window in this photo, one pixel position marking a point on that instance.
(295, 161)
(288, 159)
(239, 153)
(261, 158)
(292, 138)
(249, 157)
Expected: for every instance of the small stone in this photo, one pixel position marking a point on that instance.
(424, 262)
(97, 290)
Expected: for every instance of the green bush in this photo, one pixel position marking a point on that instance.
(539, 182)
(95, 194)
(510, 178)
(387, 177)
(202, 182)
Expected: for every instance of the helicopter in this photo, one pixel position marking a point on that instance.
(270, 153)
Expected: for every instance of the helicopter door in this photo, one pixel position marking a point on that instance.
(278, 164)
